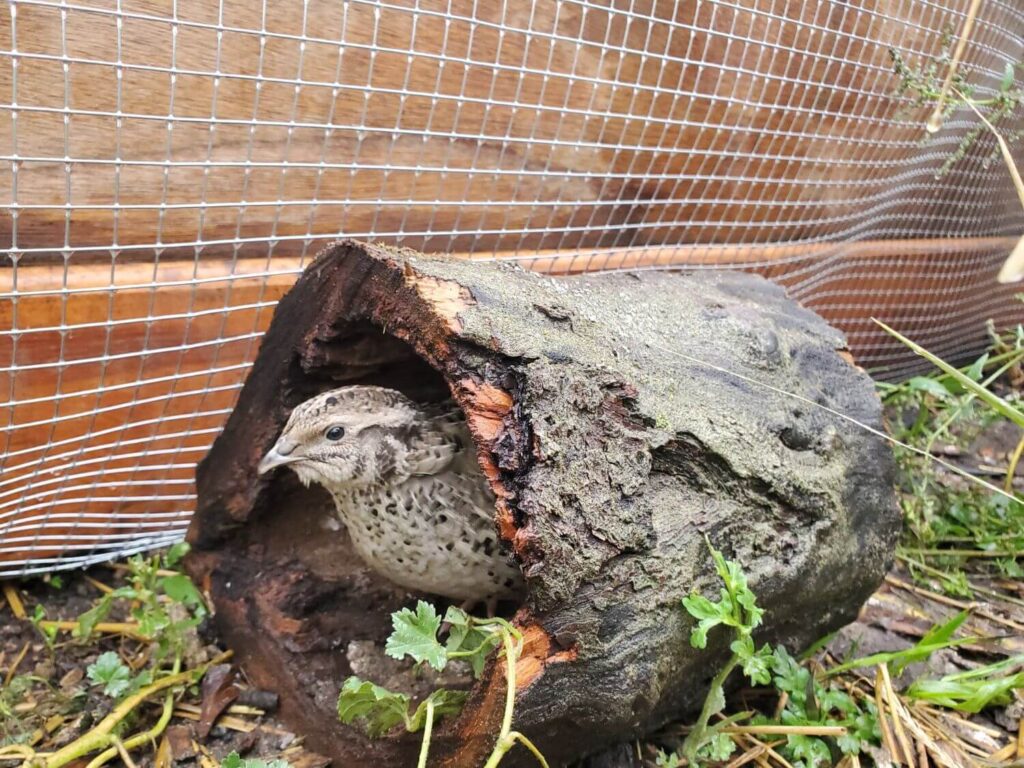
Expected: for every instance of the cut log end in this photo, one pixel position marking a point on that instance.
(619, 421)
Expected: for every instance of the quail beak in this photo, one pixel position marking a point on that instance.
(278, 456)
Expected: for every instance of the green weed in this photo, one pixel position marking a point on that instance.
(808, 701)
(953, 519)
(416, 634)
(922, 84)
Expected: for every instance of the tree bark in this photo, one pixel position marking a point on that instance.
(620, 419)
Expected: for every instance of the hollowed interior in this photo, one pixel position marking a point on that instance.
(316, 597)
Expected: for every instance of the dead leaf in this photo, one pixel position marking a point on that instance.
(219, 691)
(179, 741)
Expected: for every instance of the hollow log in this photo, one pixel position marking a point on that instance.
(621, 419)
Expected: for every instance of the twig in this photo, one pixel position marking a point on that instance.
(1004, 148)
(1011, 470)
(226, 721)
(98, 584)
(128, 629)
(14, 666)
(1005, 754)
(1013, 268)
(974, 587)
(935, 121)
(973, 607)
(754, 753)
(887, 737)
(778, 758)
(123, 752)
(935, 746)
(756, 749)
(232, 709)
(14, 601)
(17, 752)
(894, 709)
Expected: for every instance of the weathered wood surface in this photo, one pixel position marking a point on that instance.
(614, 443)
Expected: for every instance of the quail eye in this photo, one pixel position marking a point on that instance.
(335, 433)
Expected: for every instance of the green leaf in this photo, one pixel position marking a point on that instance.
(863, 729)
(790, 677)
(667, 760)
(709, 615)
(176, 553)
(415, 635)
(747, 599)
(445, 703)
(973, 690)
(699, 634)
(977, 369)
(849, 744)
(718, 748)
(701, 608)
(109, 671)
(378, 708)
(181, 590)
(87, 621)
(1007, 81)
(467, 641)
(937, 638)
(929, 385)
(813, 751)
(756, 666)
(743, 647)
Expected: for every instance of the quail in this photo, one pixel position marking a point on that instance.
(407, 486)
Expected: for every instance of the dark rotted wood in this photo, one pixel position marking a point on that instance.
(621, 419)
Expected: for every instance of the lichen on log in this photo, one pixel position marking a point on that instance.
(620, 419)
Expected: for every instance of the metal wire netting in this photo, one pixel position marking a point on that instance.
(171, 165)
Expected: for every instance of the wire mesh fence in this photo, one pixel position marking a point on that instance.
(171, 165)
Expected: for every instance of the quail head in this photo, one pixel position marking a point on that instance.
(407, 485)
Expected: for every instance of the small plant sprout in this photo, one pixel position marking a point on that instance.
(109, 671)
(415, 634)
(815, 720)
(736, 609)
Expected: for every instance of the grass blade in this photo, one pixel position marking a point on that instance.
(998, 404)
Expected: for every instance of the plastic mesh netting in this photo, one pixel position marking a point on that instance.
(170, 165)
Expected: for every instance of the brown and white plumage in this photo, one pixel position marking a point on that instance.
(407, 486)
